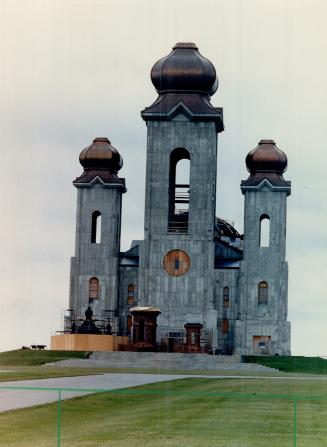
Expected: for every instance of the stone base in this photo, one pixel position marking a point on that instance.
(85, 342)
(192, 349)
(138, 347)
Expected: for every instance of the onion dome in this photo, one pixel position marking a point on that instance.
(100, 154)
(266, 157)
(266, 162)
(101, 162)
(184, 70)
(185, 81)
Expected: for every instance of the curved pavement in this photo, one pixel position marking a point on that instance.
(13, 399)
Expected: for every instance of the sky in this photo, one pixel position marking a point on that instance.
(72, 70)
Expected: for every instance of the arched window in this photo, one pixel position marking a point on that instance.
(130, 294)
(263, 292)
(226, 297)
(264, 230)
(225, 326)
(96, 228)
(179, 185)
(93, 288)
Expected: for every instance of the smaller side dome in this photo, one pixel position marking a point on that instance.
(101, 155)
(266, 157)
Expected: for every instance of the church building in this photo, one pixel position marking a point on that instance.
(202, 278)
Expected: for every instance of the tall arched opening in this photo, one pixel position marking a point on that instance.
(179, 191)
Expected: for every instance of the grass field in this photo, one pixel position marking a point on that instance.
(253, 413)
(13, 373)
(184, 413)
(30, 357)
(308, 365)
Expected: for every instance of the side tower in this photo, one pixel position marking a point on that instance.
(263, 327)
(177, 256)
(94, 268)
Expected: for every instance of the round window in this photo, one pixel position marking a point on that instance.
(176, 262)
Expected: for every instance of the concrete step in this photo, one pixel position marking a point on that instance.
(172, 361)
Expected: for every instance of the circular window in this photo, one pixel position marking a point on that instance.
(176, 262)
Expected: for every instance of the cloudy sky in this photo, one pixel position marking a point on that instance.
(72, 70)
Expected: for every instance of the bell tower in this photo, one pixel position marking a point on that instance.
(263, 327)
(177, 255)
(94, 268)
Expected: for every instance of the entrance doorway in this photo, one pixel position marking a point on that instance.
(261, 344)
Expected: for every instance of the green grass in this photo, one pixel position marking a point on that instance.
(11, 373)
(309, 365)
(34, 357)
(176, 414)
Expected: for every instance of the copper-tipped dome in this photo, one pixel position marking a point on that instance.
(266, 157)
(184, 70)
(101, 155)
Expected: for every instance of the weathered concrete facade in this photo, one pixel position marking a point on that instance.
(98, 260)
(193, 266)
(97, 243)
(178, 297)
(264, 264)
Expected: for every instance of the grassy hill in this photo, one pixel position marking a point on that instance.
(30, 357)
(190, 412)
(294, 364)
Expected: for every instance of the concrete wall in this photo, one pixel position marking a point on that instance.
(127, 275)
(264, 264)
(91, 259)
(190, 297)
(200, 140)
(226, 278)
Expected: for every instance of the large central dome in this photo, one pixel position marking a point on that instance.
(185, 81)
(184, 70)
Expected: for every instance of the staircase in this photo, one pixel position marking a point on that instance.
(191, 362)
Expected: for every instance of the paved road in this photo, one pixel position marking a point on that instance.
(13, 399)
